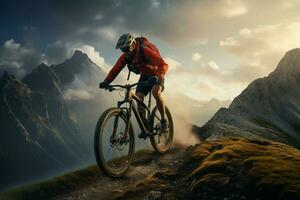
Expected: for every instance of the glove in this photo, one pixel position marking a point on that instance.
(103, 84)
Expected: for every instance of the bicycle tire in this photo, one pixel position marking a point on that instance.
(153, 139)
(99, 147)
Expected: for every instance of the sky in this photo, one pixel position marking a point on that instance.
(214, 48)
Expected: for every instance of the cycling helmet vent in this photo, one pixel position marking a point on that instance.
(125, 40)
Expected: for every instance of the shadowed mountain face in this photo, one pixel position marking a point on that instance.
(80, 79)
(39, 133)
(268, 108)
(79, 66)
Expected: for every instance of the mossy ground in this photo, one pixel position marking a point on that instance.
(229, 168)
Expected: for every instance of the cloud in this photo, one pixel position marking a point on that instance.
(57, 52)
(177, 22)
(207, 80)
(93, 54)
(18, 59)
(196, 56)
(180, 23)
(98, 16)
(156, 3)
(234, 8)
(107, 33)
(11, 45)
(71, 94)
(200, 82)
(260, 48)
(213, 65)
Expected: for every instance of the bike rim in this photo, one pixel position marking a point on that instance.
(115, 155)
(162, 140)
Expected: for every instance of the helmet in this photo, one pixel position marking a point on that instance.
(125, 41)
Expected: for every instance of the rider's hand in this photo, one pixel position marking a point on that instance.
(103, 84)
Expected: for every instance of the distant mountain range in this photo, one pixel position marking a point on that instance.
(40, 134)
(194, 111)
(203, 111)
(269, 108)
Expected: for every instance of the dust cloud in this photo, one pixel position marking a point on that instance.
(183, 135)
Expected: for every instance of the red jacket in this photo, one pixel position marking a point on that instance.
(155, 65)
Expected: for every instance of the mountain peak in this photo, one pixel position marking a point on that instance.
(214, 99)
(6, 77)
(43, 65)
(79, 56)
(290, 63)
(43, 79)
(295, 51)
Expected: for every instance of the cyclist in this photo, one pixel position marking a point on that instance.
(141, 56)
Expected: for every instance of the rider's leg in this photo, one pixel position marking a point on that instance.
(140, 108)
(156, 91)
(141, 111)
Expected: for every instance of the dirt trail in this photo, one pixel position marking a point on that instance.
(144, 164)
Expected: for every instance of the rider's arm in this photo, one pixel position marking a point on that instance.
(120, 64)
(156, 60)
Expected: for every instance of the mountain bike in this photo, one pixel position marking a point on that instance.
(114, 139)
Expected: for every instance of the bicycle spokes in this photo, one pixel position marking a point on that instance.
(160, 138)
(115, 142)
(161, 141)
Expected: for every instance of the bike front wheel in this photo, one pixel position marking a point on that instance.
(113, 147)
(161, 142)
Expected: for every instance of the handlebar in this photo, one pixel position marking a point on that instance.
(129, 86)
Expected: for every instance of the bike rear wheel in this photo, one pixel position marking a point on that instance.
(113, 152)
(161, 142)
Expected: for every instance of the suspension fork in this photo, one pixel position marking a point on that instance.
(124, 111)
(128, 116)
(116, 121)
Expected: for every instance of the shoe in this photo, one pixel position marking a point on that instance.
(164, 126)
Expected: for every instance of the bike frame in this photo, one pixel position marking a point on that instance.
(130, 98)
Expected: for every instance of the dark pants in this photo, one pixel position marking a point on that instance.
(146, 88)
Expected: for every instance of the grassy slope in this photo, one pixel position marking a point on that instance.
(231, 168)
(56, 185)
(67, 182)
